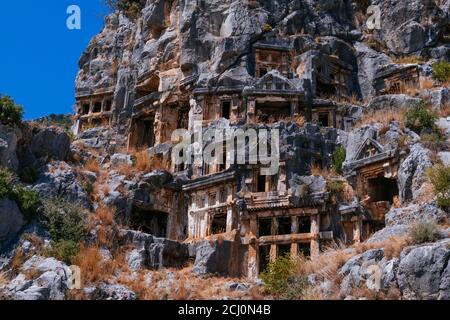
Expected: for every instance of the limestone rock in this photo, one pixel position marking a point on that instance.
(213, 257)
(59, 180)
(424, 271)
(11, 220)
(411, 172)
(105, 291)
(50, 142)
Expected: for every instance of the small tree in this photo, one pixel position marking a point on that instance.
(64, 220)
(441, 71)
(439, 176)
(338, 158)
(10, 112)
(424, 231)
(281, 278)
(419, 119)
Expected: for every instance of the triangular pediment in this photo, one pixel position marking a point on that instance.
(368, 149)
(274, 81)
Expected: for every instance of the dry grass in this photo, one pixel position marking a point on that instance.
(408, 60)
(426, 84)
(92, 266)
(394, 246)
(125, 170)
(444, 112)
(328, 174)
(18, 260)
(299, 120)
(92, 165)
(3, 279)
(146, 163)
(384, 117)
(409, 89)
(105, 215)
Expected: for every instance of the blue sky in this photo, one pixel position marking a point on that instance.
(39, 54)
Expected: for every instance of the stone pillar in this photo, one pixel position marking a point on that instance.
(196, 112)
(357, 230)
(274, 247)
(230, 219)
(294, 228)
(253, 254)
(234, 112)
(251, 110)
(315, 244)
(294, 107)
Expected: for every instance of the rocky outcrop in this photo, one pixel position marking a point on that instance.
(369, 64)
(111, 292)
(411, 173)
(403, 28)
(59, 180)
(424, 271)
(11, 220)
(415, 212)
(49, 283)
(50, 142)
(9, 138)
(213, 257)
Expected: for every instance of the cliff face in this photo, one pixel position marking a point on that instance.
(352, 170)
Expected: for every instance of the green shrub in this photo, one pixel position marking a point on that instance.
(281, 278)
(434, 141)
(64, 220)
(424, 231)
(441, 71)
(338, 158)
(5, 183)
(63, 250)
(10, 112)
(439, 176)
(27, 199)
(419, 119)
(29, 174)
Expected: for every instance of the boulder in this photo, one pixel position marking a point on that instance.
(411, 173)
(396, 230)
(439, 98)
(415, 212)
(118, 159)
(51, 282)
(392, 101)
(11, 220)
(105, 291)
(213, 257)
(424, 271)
(59, 180)
(369, 64)
(165, 253)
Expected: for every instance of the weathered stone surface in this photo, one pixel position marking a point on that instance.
(50, 142)
(424, 271)
(369, 63)
(415, 212)
(411, 173)
(392, 101)
(105, 291)
(213, 257)
(50, 284)
(59, 180)
(164, 253)
(121, 159)
(8, 147)
(396, 230)
(402, 27)
(11, 220)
